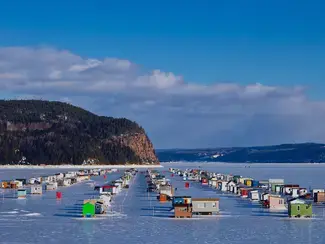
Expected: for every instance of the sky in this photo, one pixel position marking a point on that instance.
(192, 73)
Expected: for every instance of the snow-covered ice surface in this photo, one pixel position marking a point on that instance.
(137, 217)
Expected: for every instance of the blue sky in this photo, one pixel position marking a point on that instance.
(276, 43)
(272, 42)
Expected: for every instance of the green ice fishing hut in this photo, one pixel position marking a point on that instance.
(299, 209)
(88, 210)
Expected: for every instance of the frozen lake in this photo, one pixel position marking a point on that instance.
(137, 217)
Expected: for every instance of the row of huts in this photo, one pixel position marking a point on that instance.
(100, 205)
(183, 206)
(273, 193)
(158, 183)
(36, 185)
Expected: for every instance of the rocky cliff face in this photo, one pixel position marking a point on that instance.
(139, 143)
(40, 132)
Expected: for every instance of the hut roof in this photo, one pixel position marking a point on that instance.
(296, 201)
(205, 199)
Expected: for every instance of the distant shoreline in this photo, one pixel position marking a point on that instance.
(79, 166)
(237, 164)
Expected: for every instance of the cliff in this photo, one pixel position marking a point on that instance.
(43, 132)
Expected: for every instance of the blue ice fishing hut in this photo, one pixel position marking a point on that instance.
(255, 183)
(21, 193)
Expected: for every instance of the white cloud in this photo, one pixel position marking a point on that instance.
(159, 80)
(90, 63)
(174, 112)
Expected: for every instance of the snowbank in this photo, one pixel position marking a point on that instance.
(79, 166)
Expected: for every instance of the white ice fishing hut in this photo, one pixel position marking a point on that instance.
(36, 189)
(254, 195)
(51, 186)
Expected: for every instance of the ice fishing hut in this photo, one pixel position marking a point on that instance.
(314, 191)
(81, 178)
(319, 197)
(182, 207)
(289, 189)
(67, 182)
(163, 197)
(52, 178)
(32, 181)
(108, 189)
(295, 192)
(167, 189)
(36, 189)
(213, 182)
(88, 209)
(303, 192)
(23, 181)
(118, 187)
(237, 178)
(243, 192)
(264, 184)
(222, 185)
(70, 174)
(121, 182)
(100, 207)
(248, 182)
(59, 176)
(275, 182)
(51, 186)
(205, 206)
(13, 185)
(21, 193)
(228, 178)
(276, 202)
(254, 195)
(204, 182)
(299, 209)
(264, 196)
(255, 183)
(106, 199)
(5, 184)
(45, 178)
(231, 186)
(278, 188)
(74, 180)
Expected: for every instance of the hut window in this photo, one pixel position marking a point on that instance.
(201, 205)
(214, 204)
(280, 201)
(298, 208)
